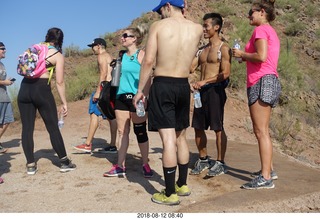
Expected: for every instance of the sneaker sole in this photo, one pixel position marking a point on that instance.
(114, 175)
(262, 187)
(165, 203)
(84, 150)
(67, 170)
(32, 173)
(104, 152)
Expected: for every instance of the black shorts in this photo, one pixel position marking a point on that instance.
(124, 102)
(267, 89)
(211, 114)
(169, 104)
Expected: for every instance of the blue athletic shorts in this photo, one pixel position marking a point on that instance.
(6, 113)
(93, 107)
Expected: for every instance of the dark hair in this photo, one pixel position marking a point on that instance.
(55, 36)
(139, 32)
(216, 19)
(267, 6)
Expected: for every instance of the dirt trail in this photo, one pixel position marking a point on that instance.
(86, 190)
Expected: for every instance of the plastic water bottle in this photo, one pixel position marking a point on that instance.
(140, 109)
(236, 45)
(116, 73)
(61, 121)
(197, 99)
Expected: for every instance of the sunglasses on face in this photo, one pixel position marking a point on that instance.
(3, 49)
(125, 35)
(252, 11)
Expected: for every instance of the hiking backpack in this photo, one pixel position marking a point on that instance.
(32, 63)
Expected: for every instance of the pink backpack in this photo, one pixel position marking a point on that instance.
(32, 63)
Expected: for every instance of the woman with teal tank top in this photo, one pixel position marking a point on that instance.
(124, 109)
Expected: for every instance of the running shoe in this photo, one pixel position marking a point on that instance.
(115, 171)
(273, 174)
(259, 183)
(147, 171)
(107, 150)
(32, 168)
(200, 166)
(161, 198)
(67, 165)
(183, 190)
(83, 147)
(217, 169)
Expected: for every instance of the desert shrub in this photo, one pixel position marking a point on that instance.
(83, 82)
(294, 28)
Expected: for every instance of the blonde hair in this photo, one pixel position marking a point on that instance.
(139, 32)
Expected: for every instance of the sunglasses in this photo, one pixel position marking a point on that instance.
(125, 35)
(3, 49)
(251, 12)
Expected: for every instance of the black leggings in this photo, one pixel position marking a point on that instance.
(35, 94)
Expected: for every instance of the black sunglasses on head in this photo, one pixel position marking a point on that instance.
(125, 35)
(252, 11)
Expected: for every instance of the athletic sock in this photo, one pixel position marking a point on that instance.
(183, 174)
(169, 178)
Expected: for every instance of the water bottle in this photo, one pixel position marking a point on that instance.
(140, 109)
(61, 121)
(116, 73)
(197, 99)
(236, 45)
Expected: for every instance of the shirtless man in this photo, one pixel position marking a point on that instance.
(99, 48)
(172, 44)
(215, 62)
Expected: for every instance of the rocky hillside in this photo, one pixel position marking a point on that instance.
(297, 119)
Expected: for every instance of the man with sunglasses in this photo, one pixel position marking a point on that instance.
(171, 45)
(6, 112)
(104, 59)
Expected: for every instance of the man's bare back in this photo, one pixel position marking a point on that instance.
(175, 41)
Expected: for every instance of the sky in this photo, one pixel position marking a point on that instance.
(23, 23)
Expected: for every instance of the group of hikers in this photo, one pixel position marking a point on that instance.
(158, 75)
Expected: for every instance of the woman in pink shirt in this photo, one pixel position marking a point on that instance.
(263, 87)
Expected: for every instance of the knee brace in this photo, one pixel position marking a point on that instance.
(141, 132)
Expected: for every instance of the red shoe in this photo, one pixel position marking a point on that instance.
(83, 147)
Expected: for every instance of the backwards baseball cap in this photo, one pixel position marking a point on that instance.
(177, 3)
(98, 41)
(1, 44)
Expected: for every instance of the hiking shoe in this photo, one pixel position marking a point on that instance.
(107, 150)
(161, 198)
(259, 183)
(147, 171)
(1, 180)
(183, 190)
(273, 174)
(200, 166)
(67, 165)
(2, 149)
(217, 169)
(115, 171)
(83, 147)
(32, 168)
